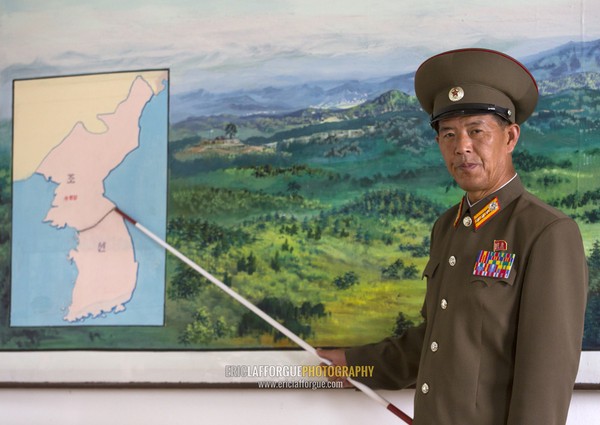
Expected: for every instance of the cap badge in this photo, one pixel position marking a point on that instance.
(456, 93)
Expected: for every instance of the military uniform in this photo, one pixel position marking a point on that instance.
(503, 312)
(506, 280)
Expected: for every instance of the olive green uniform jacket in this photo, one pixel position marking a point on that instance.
(493, 350)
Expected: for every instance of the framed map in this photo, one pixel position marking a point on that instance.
(76, 155)
(280, 147)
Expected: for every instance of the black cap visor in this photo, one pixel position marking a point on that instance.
(465, 109)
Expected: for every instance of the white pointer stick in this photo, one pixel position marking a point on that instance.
(306, 346)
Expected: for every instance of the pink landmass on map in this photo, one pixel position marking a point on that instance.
(104, 255)
(107, 270)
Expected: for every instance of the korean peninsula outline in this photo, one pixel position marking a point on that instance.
(104, 256)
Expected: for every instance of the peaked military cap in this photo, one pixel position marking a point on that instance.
(474, 81)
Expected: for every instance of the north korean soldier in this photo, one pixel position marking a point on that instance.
(507, 274)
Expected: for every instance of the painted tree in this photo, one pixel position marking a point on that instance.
(231, 130)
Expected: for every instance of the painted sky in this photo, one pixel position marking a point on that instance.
(220, 45)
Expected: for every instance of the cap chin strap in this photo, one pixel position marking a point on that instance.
(465, 109)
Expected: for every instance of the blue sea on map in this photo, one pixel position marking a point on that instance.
(43, 276)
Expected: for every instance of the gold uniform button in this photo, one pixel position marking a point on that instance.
(425, 388)
(444, 304)
(467, 221)
(452, 260)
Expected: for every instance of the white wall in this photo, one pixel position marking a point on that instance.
(222, 406)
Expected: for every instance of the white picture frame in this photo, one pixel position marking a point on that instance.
(184, 368)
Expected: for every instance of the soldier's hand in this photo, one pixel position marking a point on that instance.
(337, 357)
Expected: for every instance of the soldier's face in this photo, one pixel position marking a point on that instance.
(477, 151)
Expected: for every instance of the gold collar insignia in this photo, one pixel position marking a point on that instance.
(490, 210)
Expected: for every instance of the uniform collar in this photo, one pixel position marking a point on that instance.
(486, 209)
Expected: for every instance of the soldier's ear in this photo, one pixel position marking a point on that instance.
(513, 132)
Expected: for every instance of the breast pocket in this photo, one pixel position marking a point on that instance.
(490, 281)
(494, 268)
(430, 269)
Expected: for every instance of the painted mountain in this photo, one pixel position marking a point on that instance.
(573, 65)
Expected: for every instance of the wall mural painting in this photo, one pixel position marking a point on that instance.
(310, 192)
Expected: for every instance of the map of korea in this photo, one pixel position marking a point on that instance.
(83, 145)
(104, 257)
